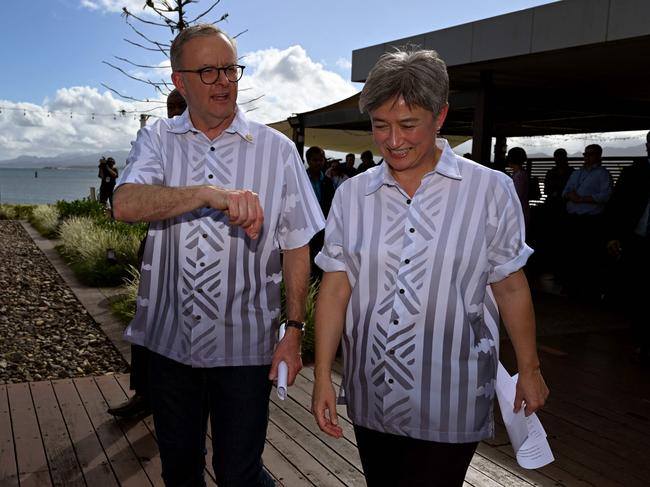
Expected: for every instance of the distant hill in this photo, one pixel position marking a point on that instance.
(65, 160)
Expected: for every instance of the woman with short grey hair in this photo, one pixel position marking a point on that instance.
(422, 257)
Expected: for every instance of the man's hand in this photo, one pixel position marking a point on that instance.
(323, 407)
(242, 207)
(288, 350)
(531, 390)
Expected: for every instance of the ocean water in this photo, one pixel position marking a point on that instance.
(50, 185)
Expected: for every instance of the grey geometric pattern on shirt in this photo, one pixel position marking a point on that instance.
(422, 363)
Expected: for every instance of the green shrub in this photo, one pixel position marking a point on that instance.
(45, 218)
(16, 212)
(83, 207)
(85, 245)
(123, 305)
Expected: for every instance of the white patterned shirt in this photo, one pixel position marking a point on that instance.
(209, 295)
(420, 343)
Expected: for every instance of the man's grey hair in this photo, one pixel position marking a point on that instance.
(418, 76)
(199, 30)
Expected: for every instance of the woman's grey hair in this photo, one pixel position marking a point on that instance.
(418, 76)
(199, 30)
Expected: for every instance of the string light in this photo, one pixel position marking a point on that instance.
(73, 113)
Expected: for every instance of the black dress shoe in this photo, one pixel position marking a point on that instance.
(138, 405)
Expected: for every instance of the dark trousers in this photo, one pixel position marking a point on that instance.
(237, 401)
(636, 271)
(400, 461)
(140, 370)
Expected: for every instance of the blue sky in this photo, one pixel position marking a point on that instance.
(297, 54)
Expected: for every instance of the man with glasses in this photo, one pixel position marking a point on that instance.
(586, 193)
(225, 197)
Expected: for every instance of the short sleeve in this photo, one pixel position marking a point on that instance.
(330, 258)
(301, 217)
(144, 163)
(507, 251)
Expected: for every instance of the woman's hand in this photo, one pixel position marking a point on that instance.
(323, 407)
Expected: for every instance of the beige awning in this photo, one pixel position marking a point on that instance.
(342, 140)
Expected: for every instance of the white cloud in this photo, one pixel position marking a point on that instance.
(344, 63)
(290, 81)
(77, 119)
(134, 6)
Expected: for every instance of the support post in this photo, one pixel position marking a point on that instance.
(482, 137)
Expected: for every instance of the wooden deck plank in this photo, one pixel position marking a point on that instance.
(123, 460)
(296, 411)
(135, 431)
(8, 466)
(283, 471)
(330, 459)
(61, 455)
(30, 454)
(300, 458)
(92, 458)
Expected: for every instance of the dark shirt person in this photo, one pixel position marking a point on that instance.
(628, 235)
(556, 179)
(139, 404)
(108, 174)
(324, 190)
(350, 170)
(231, 213)
(367, 162)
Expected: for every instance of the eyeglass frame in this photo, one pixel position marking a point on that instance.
(219, 71)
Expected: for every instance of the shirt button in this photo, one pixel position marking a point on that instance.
(210, 176)
(408, 202)
(392, 352)
(197, 317)
(401, 291)
(205, 235)
(407, 261)
(412, 230)
(212, 149)
(202, 264)
(395, 322)
(390, 381)
(199, 290)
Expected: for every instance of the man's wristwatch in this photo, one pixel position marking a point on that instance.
(295, 324)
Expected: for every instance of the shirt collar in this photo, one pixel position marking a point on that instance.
(240, 125)
(447, 166)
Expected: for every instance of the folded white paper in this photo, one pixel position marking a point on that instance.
(283, 371)
(526, 434)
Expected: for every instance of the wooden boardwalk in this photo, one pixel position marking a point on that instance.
(598, 420)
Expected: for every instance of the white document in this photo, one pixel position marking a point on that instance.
(526, 434)
(283, 371)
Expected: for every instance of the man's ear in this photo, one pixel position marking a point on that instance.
(177, 79)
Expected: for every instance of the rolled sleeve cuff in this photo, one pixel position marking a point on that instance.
(329, 264)
(502, 271)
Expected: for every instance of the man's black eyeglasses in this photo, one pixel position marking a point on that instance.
(210, 74)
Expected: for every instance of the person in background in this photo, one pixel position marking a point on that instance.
(516, 160)
(108, 174)
(367, 161)
(628, 235)
(586, 193)
(422, 257)
(555, 180)
(554, 231)
(231, 213)
(324, 190)
(139, 403)
(350, 170)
